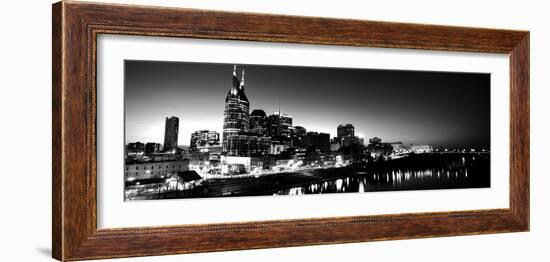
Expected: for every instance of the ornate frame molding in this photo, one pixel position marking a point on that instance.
(76, 26)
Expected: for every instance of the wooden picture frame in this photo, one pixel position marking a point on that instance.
(75, 28)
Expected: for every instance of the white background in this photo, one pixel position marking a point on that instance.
(25, 106)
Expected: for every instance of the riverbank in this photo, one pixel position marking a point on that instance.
(423, 171)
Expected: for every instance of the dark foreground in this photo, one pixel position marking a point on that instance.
(415, 172)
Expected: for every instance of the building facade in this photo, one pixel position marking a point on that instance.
(135, 149)
(236, 122)
(151, 148)
(351, 140)
(259, 133)
(298, 133)
(398, 147)
(149, 170)
(203, 140)
(280, 125)
(259, 123)
(259, 145)
(315, 140)
(171, 129)
(346, 130)
(376, 148)
(346, 136)
(421, 149)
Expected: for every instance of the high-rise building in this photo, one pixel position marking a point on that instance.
(346, 130)
(317, 140)
(258, 123)
(171, 132)
(236, 123)
(259, 146)
(348, 141)
(260, 142)
(346, 136)
(299, 131)
(298, 136)
(280, 124)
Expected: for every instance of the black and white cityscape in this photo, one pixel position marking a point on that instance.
(198, 130)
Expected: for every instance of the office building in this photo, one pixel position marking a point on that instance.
(236, 122)
(171, 129)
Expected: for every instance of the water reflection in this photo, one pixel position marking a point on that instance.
(457, 174)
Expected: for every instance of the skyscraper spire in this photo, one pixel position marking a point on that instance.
(236, 85)
(236, 123)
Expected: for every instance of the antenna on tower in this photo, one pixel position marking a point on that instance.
(242, 80)
(235, 70)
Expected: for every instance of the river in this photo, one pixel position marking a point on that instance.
(416, 172)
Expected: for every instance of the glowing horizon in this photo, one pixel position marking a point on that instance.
(412, 107)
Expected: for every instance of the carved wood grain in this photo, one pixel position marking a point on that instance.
(75, 28)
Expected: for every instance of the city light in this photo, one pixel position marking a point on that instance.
(255, 147)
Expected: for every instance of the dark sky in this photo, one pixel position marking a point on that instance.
(439, 108)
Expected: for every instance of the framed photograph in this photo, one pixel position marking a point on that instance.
(181, 130)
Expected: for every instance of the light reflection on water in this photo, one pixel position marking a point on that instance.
(388, 180)
(457, 175)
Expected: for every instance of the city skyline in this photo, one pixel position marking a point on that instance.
(374, 101)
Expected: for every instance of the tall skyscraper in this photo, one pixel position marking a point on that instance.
(259, 145)
(279, 124)
(298, 136)
(171, 129)
(346, 136)
(236, 123)
(258, 123)
(346, 130)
